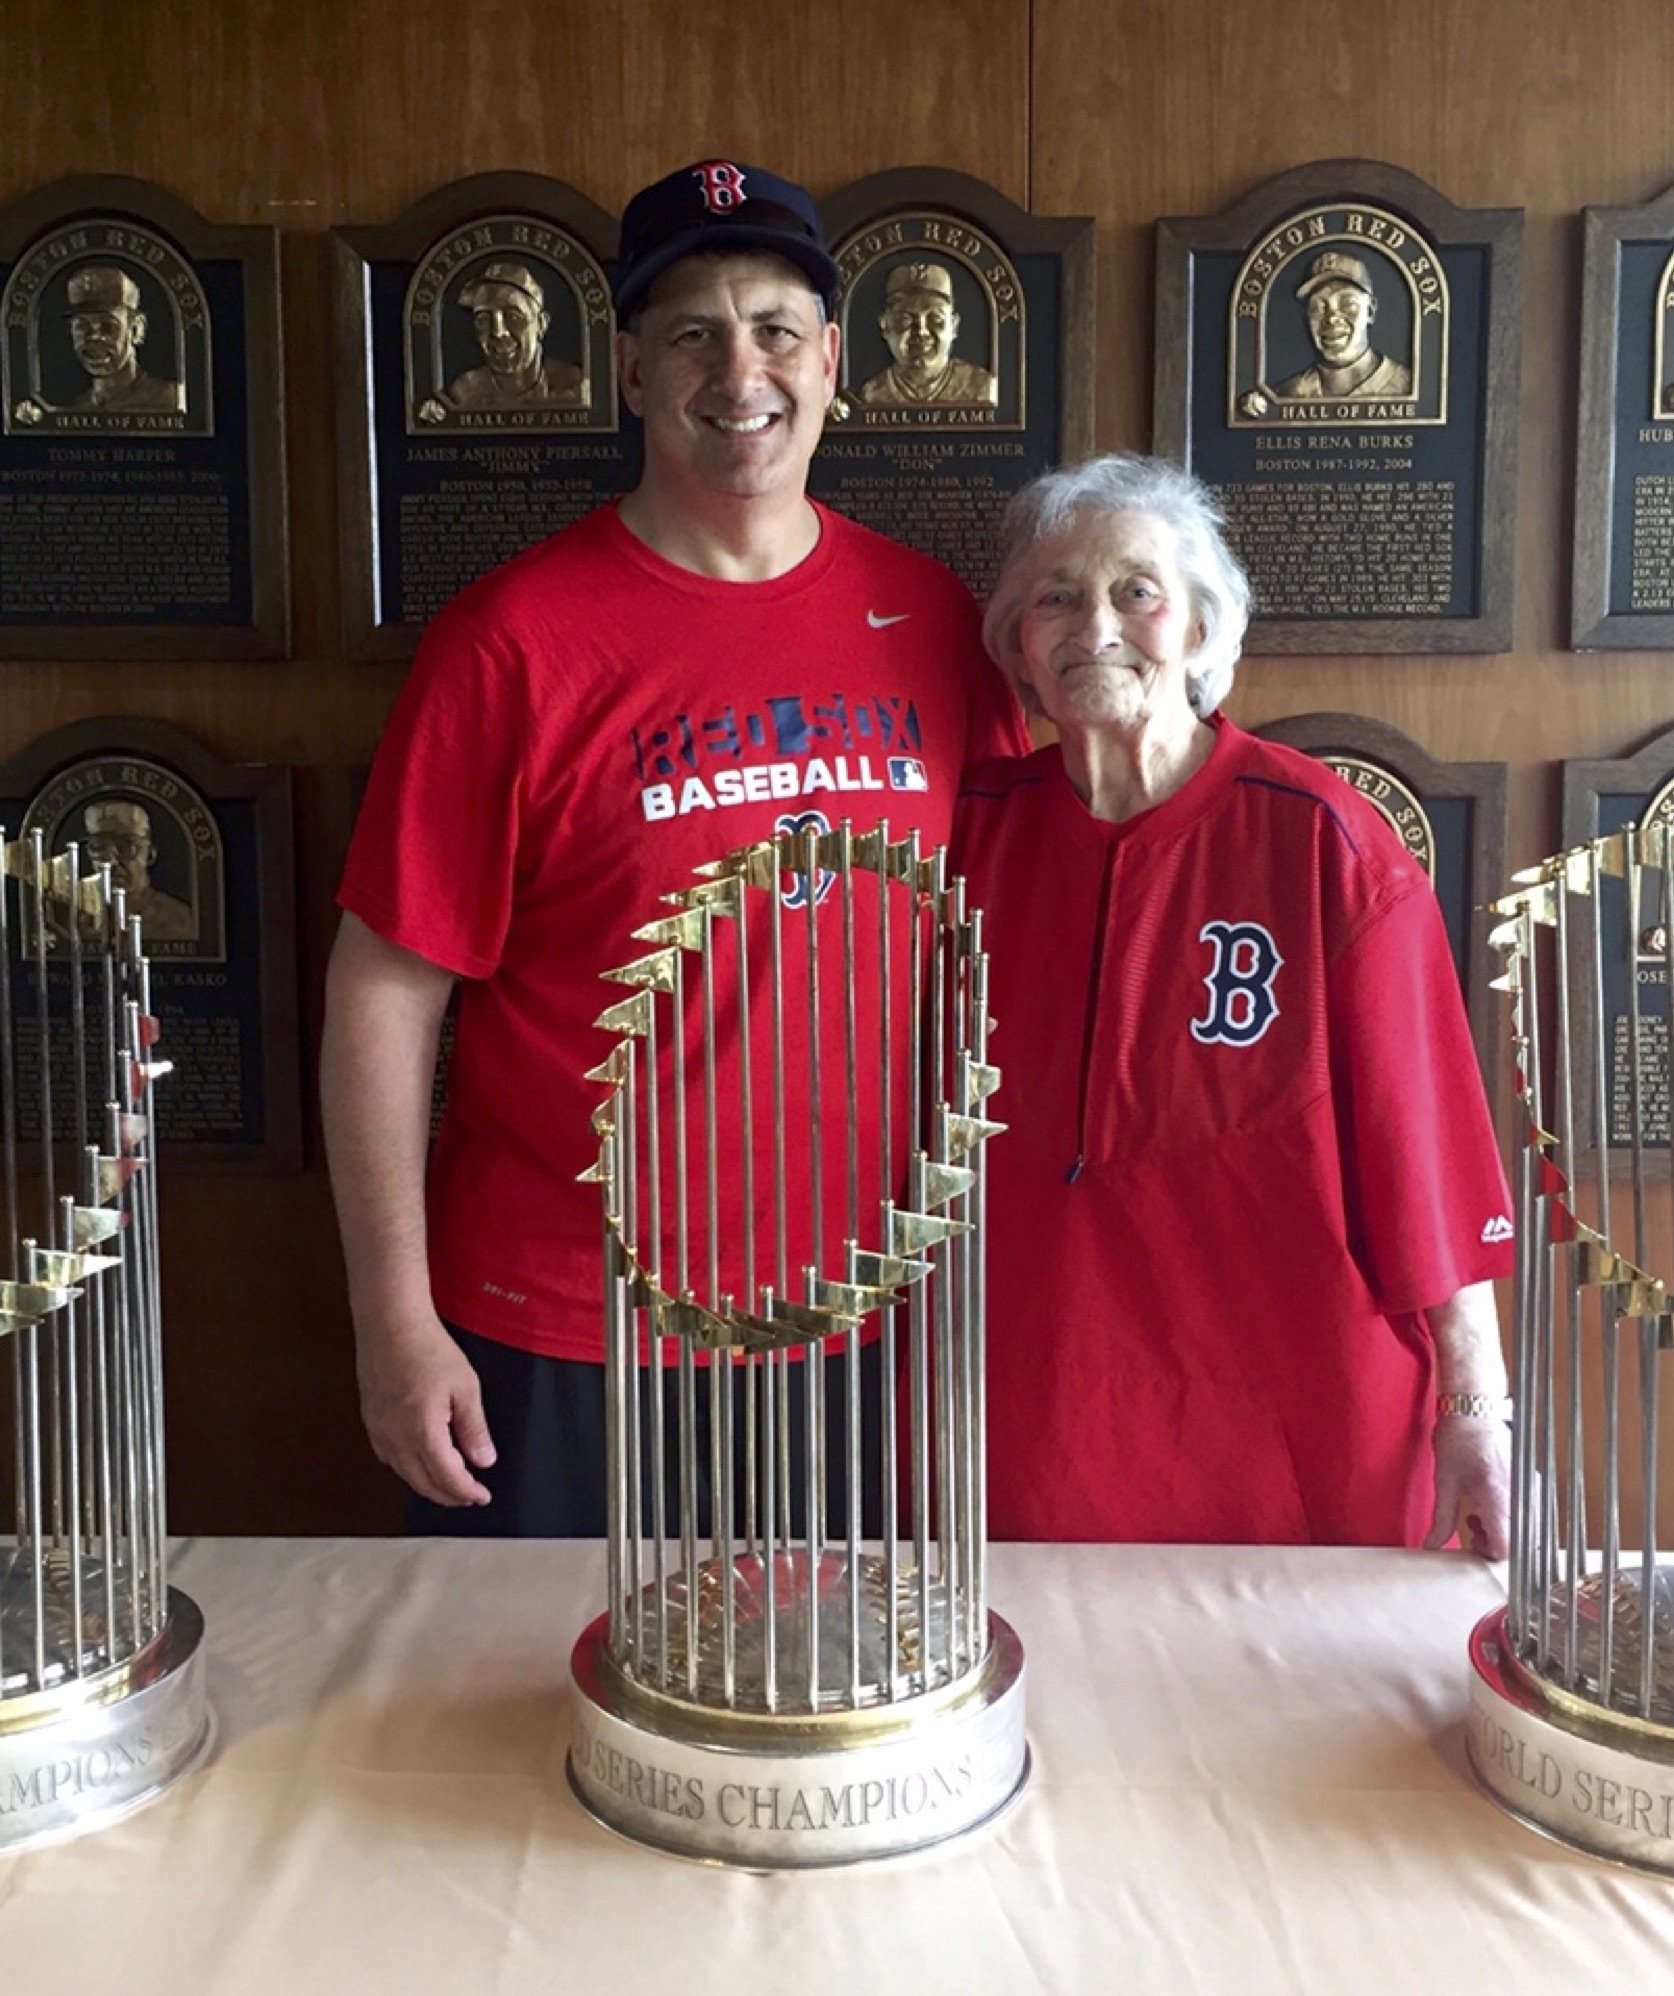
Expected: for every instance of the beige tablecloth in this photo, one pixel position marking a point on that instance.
(1249, 1777)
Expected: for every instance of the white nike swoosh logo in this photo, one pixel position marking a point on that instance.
(878, 623)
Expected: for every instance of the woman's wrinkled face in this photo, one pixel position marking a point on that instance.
(1108, 623)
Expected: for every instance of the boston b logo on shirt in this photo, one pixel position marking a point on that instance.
(1240, 981)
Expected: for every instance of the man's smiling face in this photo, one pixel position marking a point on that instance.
(731, 370)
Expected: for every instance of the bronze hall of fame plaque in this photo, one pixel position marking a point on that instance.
(142, 459)
(204, 852)
(967, 361)
(1451, 816)
(1337, 354)
(1622, 596)
(476, 391)
(1601, 797)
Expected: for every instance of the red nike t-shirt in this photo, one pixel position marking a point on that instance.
(580, 729)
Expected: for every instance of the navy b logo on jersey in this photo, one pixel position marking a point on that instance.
(1240, 981)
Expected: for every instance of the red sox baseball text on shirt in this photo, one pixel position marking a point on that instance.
(791, 746)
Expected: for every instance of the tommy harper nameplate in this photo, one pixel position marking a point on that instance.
(142, 461)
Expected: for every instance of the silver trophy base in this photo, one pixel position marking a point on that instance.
(94, 1748)
(1600, 1782)
(791, 1792)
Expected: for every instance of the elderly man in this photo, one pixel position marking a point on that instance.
(509, 317)
(920, 325)
(119, 836)
(107, 330)
(681, 672)
(1245, 1220)
(1340, 304)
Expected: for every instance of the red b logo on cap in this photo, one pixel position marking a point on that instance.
(722, 184)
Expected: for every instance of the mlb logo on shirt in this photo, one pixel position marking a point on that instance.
(906, 772)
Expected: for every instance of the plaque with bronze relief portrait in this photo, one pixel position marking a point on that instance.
(142, 460)
(1602, 797)
(967, 359)
(1337, 355)
(1622, 594)
(1451, 817)
(477, 406)
(203, 851)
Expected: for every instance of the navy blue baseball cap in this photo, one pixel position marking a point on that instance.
(719, 204)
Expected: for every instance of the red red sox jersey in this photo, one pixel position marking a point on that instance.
(580, 729)
(1247, 1146)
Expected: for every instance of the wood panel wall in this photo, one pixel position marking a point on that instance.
(308, 113)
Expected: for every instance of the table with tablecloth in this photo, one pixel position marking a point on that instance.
(1249, 1775)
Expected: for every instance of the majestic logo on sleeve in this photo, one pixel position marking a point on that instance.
(1240, 981)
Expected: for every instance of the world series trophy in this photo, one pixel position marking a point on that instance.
(101, 1679)
(1572, 1682)
(798, 1666)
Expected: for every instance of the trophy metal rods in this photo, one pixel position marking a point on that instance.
(797, 1665)
(85, 1579)
(1572, 1682)
(1588, 1617)
(102, 1703)
(735, 1274)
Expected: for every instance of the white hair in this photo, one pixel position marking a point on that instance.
(1219, 589)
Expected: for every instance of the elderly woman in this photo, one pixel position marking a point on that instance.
(1245, 1222)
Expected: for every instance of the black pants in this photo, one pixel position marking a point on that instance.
(548, 1420)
